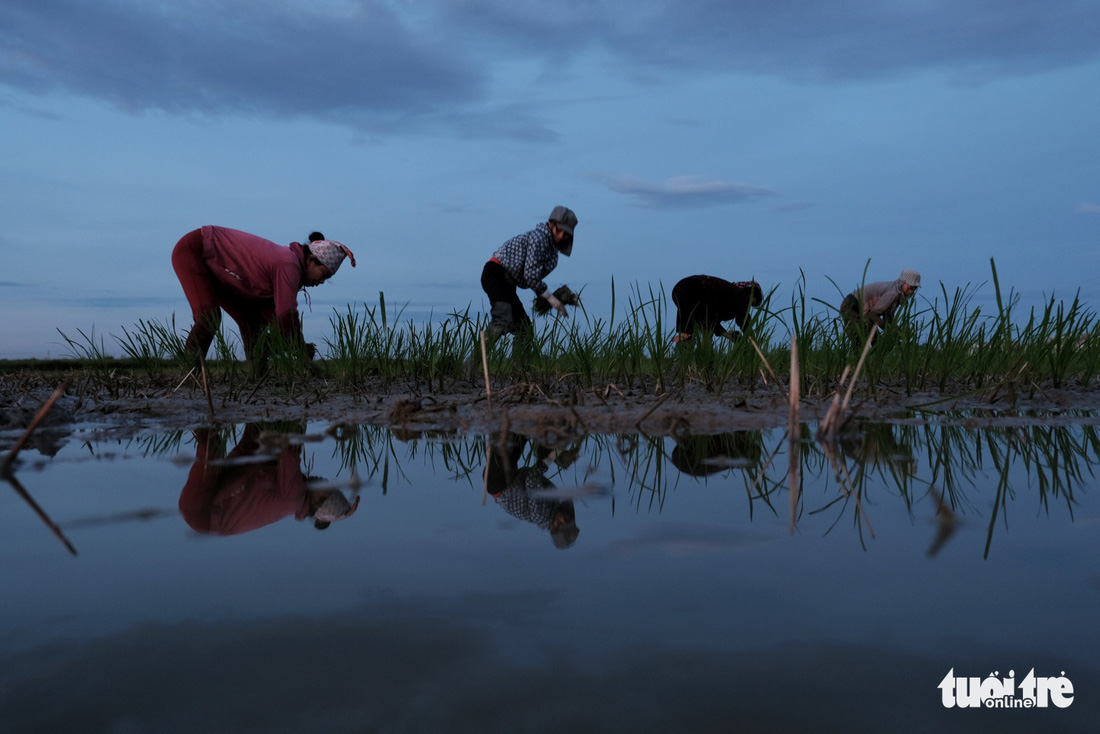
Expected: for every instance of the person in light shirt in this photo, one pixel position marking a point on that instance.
(875, 304)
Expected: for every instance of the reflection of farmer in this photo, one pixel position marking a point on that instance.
(703, 455)
(512, 488)
(875, 304)
(703, 302)
(875, 444)
(228, 498)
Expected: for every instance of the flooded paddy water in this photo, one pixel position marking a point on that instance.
(326, 577)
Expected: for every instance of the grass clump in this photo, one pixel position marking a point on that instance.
(946, 344)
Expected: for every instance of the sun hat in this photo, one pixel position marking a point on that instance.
(564, 218)
(910, 277)
(331, 253)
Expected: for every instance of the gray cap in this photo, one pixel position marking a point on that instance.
(910, 277)
(564, 218)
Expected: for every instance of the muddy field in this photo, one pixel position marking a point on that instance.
(526, 407)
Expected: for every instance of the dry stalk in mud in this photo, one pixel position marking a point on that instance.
(844, 480)
(1009, 381)
(660, 401)
(206, 389)
(793, 434)
(831, 424)
(22, 492)
(834, 407)
(765, 361)
(5, 465)
(9, 459)
(485, 373)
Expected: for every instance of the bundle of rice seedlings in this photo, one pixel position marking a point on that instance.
(563, 294)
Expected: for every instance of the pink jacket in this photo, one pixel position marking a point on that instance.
(258, 269)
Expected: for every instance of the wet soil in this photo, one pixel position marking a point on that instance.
(132, 402)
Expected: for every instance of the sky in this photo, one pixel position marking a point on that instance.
(775, 140)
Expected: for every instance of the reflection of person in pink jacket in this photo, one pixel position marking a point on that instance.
(253, 280)
(227, 497)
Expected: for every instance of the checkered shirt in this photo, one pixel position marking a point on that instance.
(529, 257)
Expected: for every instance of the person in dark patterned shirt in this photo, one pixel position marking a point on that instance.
(523, 262)
(704, 302)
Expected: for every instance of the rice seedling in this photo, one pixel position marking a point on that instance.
(348, 346)
(152, 343)
(823, 347)
(279, 354)
(643, 341)
(363, 344)
(946, 343)
(86, 349)
(954, 347)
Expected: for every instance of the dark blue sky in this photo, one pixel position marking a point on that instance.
(750, 139)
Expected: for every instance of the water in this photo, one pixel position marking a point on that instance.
(694, 596)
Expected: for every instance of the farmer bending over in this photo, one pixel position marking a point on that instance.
(704, 302)
(253, 280)
(522, 262)
(875, 304)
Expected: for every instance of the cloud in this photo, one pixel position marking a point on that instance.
(392, 68)
(364, 65)
(683, 191)
(804, 40)
(1089, 208)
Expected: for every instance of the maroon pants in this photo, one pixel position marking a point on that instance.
(208, 298)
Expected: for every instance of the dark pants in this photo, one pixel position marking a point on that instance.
(503, 462)
(508, 314)
(855, 325)
(693, 308)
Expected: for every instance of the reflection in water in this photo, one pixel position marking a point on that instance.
(523, 490)
(435, 602)
(700, 456)
(874, 445)
(254, 485)
(943, 473)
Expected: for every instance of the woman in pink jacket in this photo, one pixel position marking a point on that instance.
(253, 280)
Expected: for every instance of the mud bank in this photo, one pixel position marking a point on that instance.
(527, 407)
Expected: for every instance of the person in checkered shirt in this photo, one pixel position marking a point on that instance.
(523, 262)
